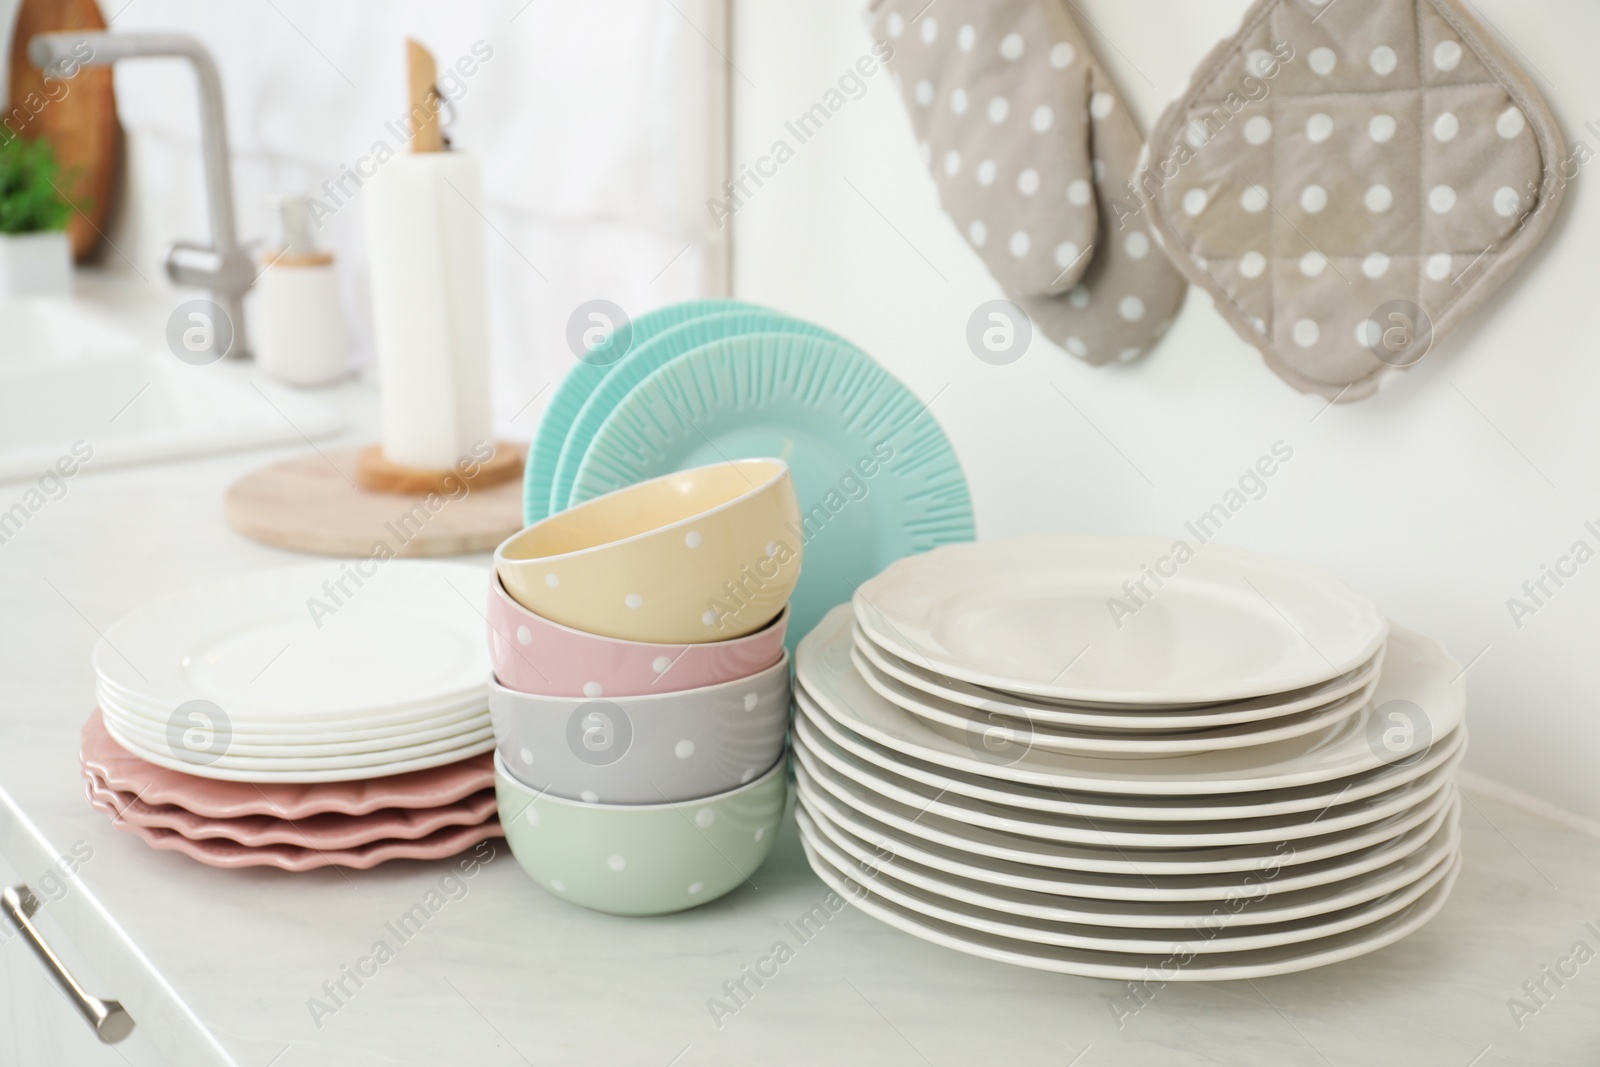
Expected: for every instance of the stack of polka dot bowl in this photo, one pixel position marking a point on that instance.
(641, 692)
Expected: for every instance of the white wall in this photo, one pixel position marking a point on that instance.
(1438, 497)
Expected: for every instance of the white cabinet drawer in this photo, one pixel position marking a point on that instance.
(42, 1024)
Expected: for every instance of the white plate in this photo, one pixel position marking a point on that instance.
(836, 769)
(1033, 616)
(1121, 806)
(1248, 909)
(1117, 717)
(977, 841)
(1268, 880)
(223, 770)
(1415, 690)
(354, 727)
(1002, 732)
(306, 643)
(144, 745)
(256, 732)
(1227, 938)
(156, 735)
(1129, 966)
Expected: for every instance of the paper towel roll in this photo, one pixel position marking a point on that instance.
(429, 306)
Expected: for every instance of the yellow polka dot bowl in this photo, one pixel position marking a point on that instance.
(706, 554)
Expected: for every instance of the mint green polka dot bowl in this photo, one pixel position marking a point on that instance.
(642, 859)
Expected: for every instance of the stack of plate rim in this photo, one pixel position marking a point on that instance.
(322, 672)
(1253, 774)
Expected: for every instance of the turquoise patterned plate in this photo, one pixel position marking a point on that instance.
(876, 476)
(638, 364)
(575, 388)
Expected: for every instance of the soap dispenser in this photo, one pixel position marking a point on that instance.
(300, 332)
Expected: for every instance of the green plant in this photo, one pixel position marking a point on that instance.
(31, 197)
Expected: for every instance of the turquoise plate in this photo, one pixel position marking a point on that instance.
(545, 451)
(876, 476)
(641, 360)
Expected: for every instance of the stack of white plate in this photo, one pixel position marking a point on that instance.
(323, 672)
(1228, 767)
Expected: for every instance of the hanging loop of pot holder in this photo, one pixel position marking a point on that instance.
(1350, 179)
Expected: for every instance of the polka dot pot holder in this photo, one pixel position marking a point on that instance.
(1030, 146)
(1349, 179)
(1130, 292)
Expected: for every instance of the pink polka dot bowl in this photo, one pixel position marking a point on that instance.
(533, 654)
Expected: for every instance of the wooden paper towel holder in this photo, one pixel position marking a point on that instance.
(375, 471)
(357, 501)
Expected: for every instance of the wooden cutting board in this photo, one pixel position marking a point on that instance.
(78, 116)
(312, 504)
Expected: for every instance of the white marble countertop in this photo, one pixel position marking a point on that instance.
(222, 966)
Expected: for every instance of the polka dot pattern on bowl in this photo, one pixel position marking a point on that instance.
(646, 748)
(642, 859)
(729, 565)
(532, 654)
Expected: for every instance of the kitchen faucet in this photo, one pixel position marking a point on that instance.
(225, 267)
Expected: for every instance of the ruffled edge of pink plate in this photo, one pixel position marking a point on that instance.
(328, 830)
(122, 771)
(220, 852)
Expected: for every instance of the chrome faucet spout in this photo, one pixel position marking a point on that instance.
(226, 267)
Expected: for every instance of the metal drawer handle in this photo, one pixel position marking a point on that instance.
(110, 1019)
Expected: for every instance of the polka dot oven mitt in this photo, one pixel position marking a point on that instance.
(1131, 292)
(1088, 276)
(998, 98)
(1339, 160)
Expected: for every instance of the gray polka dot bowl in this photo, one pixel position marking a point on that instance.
(655, 749)
(706, 554)
(533, 654)
(642, 859)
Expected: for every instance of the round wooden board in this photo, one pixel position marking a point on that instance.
(312, 504)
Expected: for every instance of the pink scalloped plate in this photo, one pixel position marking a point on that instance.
(330, 830)
(220, 852)
(122, 771)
